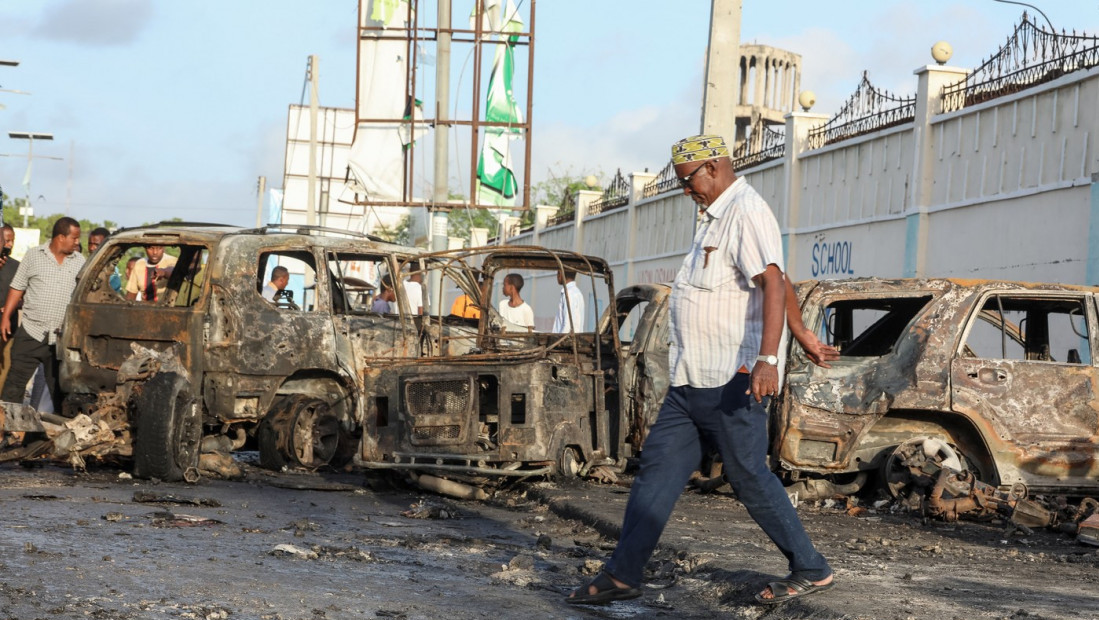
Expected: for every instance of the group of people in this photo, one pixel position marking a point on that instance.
(35, 292)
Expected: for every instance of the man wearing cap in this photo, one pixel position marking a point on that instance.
(728, 342)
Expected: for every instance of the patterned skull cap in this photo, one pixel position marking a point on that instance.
(699, 148)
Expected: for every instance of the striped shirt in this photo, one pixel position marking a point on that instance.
(716, 309)
(47, 288)
(570, 310)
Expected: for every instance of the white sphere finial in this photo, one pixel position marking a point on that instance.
(591, 181)
(941, 52)
(807, 99)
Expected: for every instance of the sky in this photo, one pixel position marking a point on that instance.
(169, 108)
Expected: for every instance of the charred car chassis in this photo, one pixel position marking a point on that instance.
(326, 378)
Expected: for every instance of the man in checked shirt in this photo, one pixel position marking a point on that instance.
(44, 283)
(728, 342)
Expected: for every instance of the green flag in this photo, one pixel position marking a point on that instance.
(494, 168)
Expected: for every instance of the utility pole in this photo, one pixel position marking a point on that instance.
(440, 213)
(314, 107)
(259, 201)
(722, 80)
(69, 181)
(441, 200)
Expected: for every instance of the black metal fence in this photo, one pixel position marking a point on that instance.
(615, 195)
(666, 181)
(1031, 56)
(763, 145)
(566, 212)
(869, 109)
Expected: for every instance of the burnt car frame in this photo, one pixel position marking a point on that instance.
(323, 379)
(1004, 373)
(492, 399)
(998, 378)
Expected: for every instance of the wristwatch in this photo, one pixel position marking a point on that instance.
(768, 359)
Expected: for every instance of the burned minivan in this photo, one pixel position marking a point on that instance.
(995, 378)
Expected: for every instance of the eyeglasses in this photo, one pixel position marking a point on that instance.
(686, 181)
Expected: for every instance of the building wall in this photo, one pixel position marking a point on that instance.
(1001, 189)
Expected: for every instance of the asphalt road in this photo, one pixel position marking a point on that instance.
(289, 546)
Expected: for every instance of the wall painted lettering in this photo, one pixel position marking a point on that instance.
(831, 259)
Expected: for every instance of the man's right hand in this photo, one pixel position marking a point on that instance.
(5, 327)
(817, 352)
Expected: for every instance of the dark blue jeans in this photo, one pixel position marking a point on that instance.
(736, 424)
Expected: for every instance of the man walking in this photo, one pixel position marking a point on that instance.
(44, 283)
(728, 340)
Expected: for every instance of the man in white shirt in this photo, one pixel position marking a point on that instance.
(414, 291)
(512, 307)
(728, 309)
(280, 277)
(570, 309)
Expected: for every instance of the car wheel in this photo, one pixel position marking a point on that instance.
(299, 431)
(569, 463)
(168, 431)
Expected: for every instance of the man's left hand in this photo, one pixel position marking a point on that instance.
(764, 381)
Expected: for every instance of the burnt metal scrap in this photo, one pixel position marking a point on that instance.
(928, 476)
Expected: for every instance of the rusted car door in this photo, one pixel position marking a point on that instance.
(643, 373)
(1025, 371)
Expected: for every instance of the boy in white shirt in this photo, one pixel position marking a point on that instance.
(513, 308)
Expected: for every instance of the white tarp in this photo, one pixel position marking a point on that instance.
(377, 153)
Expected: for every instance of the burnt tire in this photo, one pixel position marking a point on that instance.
(300, 431)
(168, 433)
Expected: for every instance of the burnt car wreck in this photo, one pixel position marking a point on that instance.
(340, 367)
(964, 397)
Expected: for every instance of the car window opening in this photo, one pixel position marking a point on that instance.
(869, 327)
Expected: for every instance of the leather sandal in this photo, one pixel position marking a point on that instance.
(781, 590)
(605, 592)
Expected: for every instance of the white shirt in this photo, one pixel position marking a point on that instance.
(269, 292)
(575, 304)
(716, 309)
(522, 314)
(415, 293)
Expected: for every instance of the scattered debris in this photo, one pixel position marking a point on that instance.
(291, 550)
(425, 510)
(520, 562)
(146, 497)
(591, 567)
(114, 517)
(169, 519)
(1088, 532)
(927, 474)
